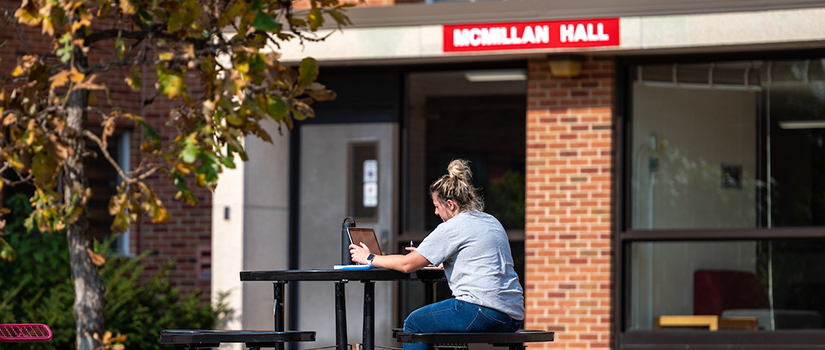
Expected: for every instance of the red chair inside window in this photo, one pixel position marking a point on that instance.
(715, 291)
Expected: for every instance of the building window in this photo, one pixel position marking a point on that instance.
(725, 195)
(104, 180)
(363, 181)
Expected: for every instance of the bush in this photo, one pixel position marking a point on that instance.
(36, 288)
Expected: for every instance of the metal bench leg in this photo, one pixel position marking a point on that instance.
(429, 292)
(278, 309)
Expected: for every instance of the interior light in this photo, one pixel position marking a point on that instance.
(495, 75)
(803, 124)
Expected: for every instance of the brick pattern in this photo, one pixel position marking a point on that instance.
(190, 227)
(568, 216)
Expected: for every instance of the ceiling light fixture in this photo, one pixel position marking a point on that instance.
(803, 124)
(495, 75)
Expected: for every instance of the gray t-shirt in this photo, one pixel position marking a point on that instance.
(477, 261)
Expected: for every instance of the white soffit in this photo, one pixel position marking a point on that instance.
(637, 33)
(736, 28)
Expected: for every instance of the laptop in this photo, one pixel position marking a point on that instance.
(358, 235)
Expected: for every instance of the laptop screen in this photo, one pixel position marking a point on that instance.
(366, 235)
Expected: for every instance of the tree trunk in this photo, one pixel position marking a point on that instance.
(88, 288)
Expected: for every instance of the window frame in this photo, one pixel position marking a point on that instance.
(625, 235)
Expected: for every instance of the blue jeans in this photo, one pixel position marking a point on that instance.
(453, 315)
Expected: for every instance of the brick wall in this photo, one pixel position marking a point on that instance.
(190, 227)
(568, 216)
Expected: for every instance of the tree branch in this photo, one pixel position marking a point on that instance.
(22, 40)
(126, 178)
(155, 30)
(90, 135)
(113, 33)
(14, 183)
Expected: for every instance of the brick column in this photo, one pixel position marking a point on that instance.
(568, 217)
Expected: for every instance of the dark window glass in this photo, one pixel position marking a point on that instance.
(765, 284)
(449, 116)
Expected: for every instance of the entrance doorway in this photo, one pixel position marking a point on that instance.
(478, 115)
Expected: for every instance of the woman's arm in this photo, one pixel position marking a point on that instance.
(404, 263)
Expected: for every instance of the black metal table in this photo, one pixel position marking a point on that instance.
(341, 277)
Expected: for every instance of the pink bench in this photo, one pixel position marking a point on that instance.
(24, 332)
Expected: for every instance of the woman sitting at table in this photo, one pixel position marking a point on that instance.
(475, 252)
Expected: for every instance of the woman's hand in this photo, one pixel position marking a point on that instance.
(359, 254)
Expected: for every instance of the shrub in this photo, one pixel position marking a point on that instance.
(36, 288)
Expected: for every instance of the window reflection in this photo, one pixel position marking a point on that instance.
(772, 284)
(728, 145)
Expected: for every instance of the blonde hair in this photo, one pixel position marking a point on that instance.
(457, 185)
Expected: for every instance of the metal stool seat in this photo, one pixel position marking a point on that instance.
(197, 339)
(24, 332)
(514, 341)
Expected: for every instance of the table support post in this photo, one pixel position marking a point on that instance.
(429, 292)
(341, 315)
(369, 316)
(278, 309)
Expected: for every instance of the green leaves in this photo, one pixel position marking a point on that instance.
(65, 53)
(170, 82)
(154, 143)
(45, 168)
(120, 48)
(49, 216)
(6, 251)
(276, 108)
(263, 21)
(132, 202)
(307, 72)
(315, 19)
(189, 41)
(135, 80)
(190, 153)
(183, 16)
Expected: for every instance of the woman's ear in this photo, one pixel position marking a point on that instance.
(451, 205)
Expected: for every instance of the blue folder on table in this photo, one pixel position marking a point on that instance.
(352, 267)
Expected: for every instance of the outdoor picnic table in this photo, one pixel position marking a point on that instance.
(428, 276)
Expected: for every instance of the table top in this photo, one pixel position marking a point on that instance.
(340, 275)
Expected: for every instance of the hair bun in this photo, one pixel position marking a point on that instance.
(457, 185)
(460, 169)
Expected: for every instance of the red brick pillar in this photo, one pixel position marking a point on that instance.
(568, 217)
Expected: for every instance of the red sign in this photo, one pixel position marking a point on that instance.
(531, 35)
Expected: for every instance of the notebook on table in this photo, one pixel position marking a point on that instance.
(358, 235)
